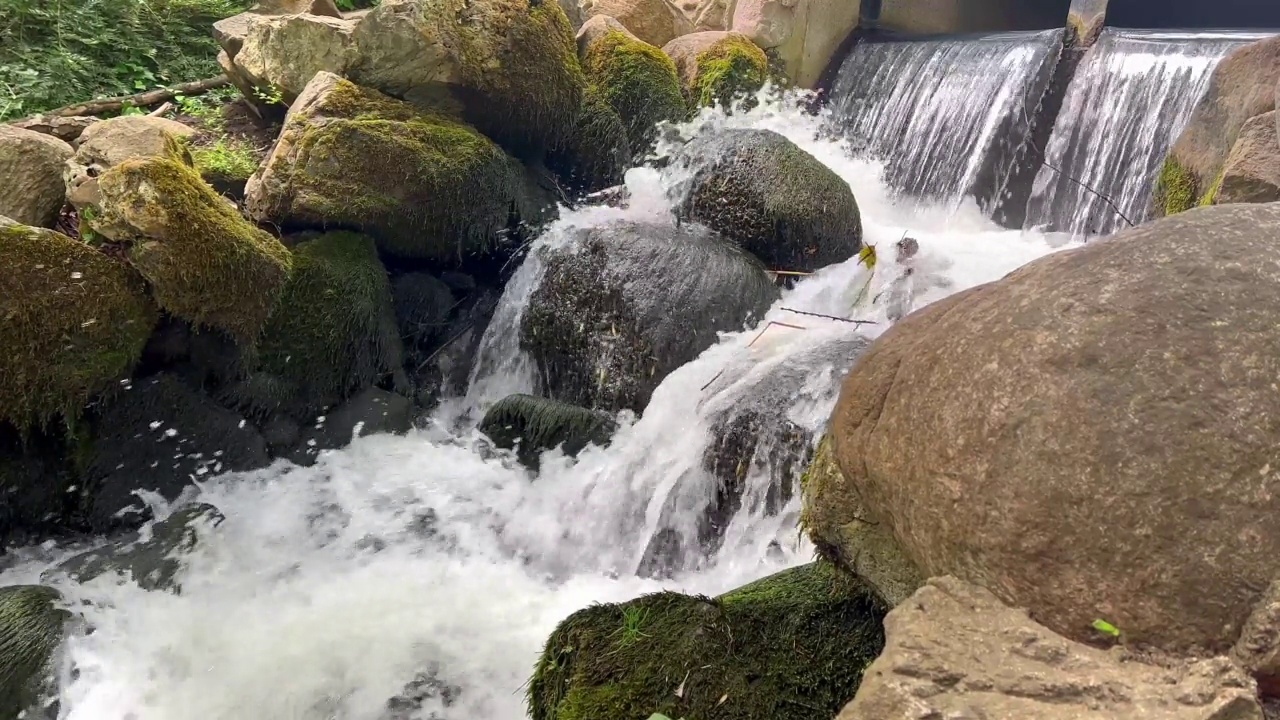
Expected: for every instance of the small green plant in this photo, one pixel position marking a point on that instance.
(1106, 628)
(632, 621)
(208, 109)
(225, 158)
(270, 95)
(349, 5)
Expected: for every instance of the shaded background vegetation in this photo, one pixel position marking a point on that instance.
(59, 52)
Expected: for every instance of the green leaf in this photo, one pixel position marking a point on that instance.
(1106, 628)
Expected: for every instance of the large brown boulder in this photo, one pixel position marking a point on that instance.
(32, 191)
(954, 651)
(106, 144)
(1252, 172)
(1243, 87)
(281, 53)
(803, 34)
(1093, 436)
(656, 22)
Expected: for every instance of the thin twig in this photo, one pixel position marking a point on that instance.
(753, 342)
(446, 344)
(831, 317)
(139, 100)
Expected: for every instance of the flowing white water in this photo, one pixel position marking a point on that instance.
(940, 113)
(1128, 101)
(328, 588)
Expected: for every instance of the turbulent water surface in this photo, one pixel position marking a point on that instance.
(328, 588)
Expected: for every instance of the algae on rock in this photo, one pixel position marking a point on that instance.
(205, 262)
(75, 323)
(792, 646)
(31, 628)
(332, 333)
(423, 185)
(533, 425)
(597, 153)
(639, 81)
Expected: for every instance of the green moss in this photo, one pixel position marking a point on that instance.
(792, 646)
(448, 194)
(639, 81)
(333, 331)
(205, 262)
(31, 626)
(1211, 195)
(597, 154)
(730, 68)
(74, 324)
(1175, 188)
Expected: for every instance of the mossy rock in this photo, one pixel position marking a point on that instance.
(31, 628)
(333, 332)
(423, 305)
(792, 646)
(621, 306)
(74, 324)
(639, 82)
(597, 154)
(1178, 189)
(424, 186)
(533, 425)
(38, 497)
(156, 436)
(205, 262)
(731, 68)
(511, 65)
(771, 197)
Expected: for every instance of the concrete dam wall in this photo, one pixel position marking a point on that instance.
(957, 17)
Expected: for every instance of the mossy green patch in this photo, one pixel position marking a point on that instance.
(792, 646)
(1175, 188)
(597, 153)
(205, 262)
(31, 626)
(537, 424)
(639, 81)
(224, 161)
(73, 322)
(333, 331)
(729, 69)
(423, 185)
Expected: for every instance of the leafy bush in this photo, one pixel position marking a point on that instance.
(58, 53)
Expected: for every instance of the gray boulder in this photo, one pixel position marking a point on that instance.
(1252, 172)
(622, 306)
(31, 164)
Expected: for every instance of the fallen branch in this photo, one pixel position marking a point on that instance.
(139, 100)
(830, 317)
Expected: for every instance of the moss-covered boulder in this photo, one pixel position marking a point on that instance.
(424, 186)
(509, 65)
(37, 486)
(332, 334)
(717, 68)
(1178, 189)
(74, 324)
(532, 425)
(792, 646)
(637, 80)
(31, 628)
(622, 306)
(156, 436)
(771, 197)
(152, 562)
(423, 304)
(205, 262)
(596, 155)
(105, 144)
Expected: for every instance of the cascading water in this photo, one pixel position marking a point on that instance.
(328, 588)
(943, 115)
(1128, 101)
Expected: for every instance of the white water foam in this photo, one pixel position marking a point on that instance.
(328, 588)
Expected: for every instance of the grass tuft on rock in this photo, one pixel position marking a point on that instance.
(73, 322)
(792, 646)
(537, 424)
(639, 81)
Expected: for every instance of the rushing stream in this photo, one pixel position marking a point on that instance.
(328, 588)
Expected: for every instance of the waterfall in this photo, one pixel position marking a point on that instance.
(943, 115)
(1130, 98)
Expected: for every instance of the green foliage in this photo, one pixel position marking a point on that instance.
(225, 159)
(60, 52)
(349, 5)
(792, 646)
(333, 331)
(1106, 628)
(639, 81)
(74, 323)
(729, 69)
